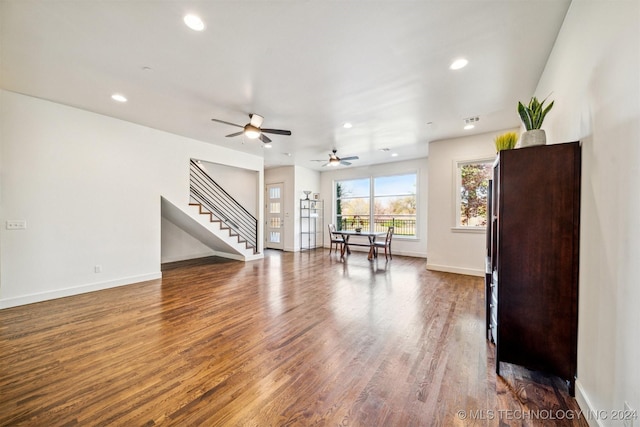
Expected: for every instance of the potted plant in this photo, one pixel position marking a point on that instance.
(358, 223)
(532, 117)
(506, 141)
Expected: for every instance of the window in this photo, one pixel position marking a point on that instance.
(353, 204)
(377, 203)
(473, 187)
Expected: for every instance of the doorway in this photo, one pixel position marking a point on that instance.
(274, 216)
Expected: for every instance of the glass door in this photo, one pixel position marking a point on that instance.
(274, 230)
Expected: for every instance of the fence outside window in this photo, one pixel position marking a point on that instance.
(404, 225)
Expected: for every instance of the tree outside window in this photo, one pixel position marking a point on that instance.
(352, 204)
(395, 203)
(473, 179)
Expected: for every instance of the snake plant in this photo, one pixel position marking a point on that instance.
(533, 114)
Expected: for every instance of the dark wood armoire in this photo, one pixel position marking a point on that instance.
(532, 263)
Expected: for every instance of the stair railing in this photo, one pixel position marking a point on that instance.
(205, 191)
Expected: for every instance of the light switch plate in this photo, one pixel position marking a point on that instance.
(16, 224)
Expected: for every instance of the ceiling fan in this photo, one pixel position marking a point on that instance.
(334, 160)
(252, 130)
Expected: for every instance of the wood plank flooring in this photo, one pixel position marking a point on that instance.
(296, 339)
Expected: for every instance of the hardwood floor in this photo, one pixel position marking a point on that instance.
(296, 339)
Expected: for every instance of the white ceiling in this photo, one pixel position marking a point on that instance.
(307, 66)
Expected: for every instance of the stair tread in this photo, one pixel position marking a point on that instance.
(223, 226)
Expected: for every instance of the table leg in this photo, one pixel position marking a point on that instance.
(372, 240)
(345, 246)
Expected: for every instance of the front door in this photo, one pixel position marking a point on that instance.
(274, 216)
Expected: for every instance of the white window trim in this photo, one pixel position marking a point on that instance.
(457, 183)
(469, 229)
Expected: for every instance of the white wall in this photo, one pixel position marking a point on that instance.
(593, 74)
(410, 247)
(178, 245)
(306, 179)
(240, 183)
(89, 187)
(450, 249)
(296, 179)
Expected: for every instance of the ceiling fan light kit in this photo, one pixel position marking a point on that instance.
(252, 130)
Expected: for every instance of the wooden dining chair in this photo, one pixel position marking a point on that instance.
(386, 244)
(337, 240)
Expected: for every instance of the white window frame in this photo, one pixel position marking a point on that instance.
(371, 196)
(457, 201)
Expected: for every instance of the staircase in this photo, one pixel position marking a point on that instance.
(212, 201)
(223, 225)
(214, 218)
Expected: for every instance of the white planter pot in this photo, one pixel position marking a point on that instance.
(533, 137)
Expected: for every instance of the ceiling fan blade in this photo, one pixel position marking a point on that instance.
(235, 134)
(350, 158)
(326, 164)
(264, 138)
(277, 131)
(227, 123)
(256, 120)
(342, 162)
(318, 160)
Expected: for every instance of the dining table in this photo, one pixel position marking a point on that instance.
(347, 234)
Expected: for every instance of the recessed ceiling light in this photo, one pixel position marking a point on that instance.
(468, 127)
(118, 97)
(458, 63)
(267, 145)
(394, 154)
(347, 125)
(194, 22)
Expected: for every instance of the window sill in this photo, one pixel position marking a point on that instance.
(472, 230)
(405, 238)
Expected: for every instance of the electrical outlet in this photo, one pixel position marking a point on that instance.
(16, 224)
(629, 415)
(97, 269)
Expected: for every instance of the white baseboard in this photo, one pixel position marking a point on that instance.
(66, 292)
(588, 411)
(411, 254)
(457, 270)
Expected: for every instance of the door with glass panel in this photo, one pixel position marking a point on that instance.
(274, 230)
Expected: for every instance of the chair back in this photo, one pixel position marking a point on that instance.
(332, 228)
(389, 234)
